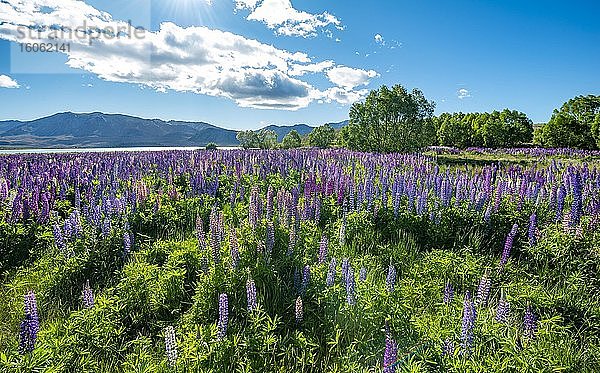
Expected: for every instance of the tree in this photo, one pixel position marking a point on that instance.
(211, 146)
(497, 129)
(322, 137)
(267, 139)
(575, 125)
(390, 120)
(248, 139)
(506, 128)
(263, 139)
(291, 140)
(455, 130)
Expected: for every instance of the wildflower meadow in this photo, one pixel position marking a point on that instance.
(300, 261)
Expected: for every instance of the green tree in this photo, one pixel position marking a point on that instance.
(291, 140)
(322, 137)
(575, 125)
(455, 130)
(267, 139)
(506, 128)
(390, 120)
(211, 146)
(248, 139)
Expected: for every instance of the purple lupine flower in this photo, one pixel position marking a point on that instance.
(390, 354)
(269, 202)
(343, 232)
(127, 243)
(468, 322)
(223, 316)
(503, 311)
(299, 310)
(30, 326)
(483, 290)
(251, 294)
(331, 272)
(448, 293)
(323, 249)
(106, 228)
(529, 324)
(270, 239)
(233, 248)
(577, 204)
(200, 233)
(390, 280)
(305, 279)
(87, 295)
(362, 275)
(508, 244)
(560, 201)
(58, 238)
(350, 287)
(531, 233)
(345, 265)
(215, 237)
(448, 347)
(171, 345)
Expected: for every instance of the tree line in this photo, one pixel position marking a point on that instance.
(397, 120)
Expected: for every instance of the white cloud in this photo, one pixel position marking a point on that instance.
(349, 78)
(313, 68)
(184, 59)
(463, 93)
(281, 16)
(8, 82)
(382, 42)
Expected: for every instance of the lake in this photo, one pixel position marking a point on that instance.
(104, 150)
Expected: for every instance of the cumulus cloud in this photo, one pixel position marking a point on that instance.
(463, 93)
(382, 42)
(284, 19)
(349, 77)
(8, 82)
(174, 58)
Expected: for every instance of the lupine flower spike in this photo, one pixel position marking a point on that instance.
(529, 324)
(448, 293)
(468, 323)
(223, 316)
(251, 294)
(299, 310)
(171, 345)
(87, 295)
(30, 326)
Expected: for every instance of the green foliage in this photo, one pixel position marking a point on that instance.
(211, 146)
(248, 139)
(575, 125)
(263, 139)
(321, 137)
(390, 120)
(164, 282)
(493, 130)
(291, 140)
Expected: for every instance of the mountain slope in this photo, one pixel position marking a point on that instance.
(110, 130)
(94, 130)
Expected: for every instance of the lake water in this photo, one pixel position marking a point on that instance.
(104, 150)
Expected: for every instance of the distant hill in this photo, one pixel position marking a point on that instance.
(66, 130)
(281, 131)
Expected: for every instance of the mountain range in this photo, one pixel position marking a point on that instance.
(99, 130)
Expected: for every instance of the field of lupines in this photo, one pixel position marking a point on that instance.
(297, 261)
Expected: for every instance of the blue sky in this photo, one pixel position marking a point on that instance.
(247, 63)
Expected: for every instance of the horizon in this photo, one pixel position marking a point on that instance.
(248, 64)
